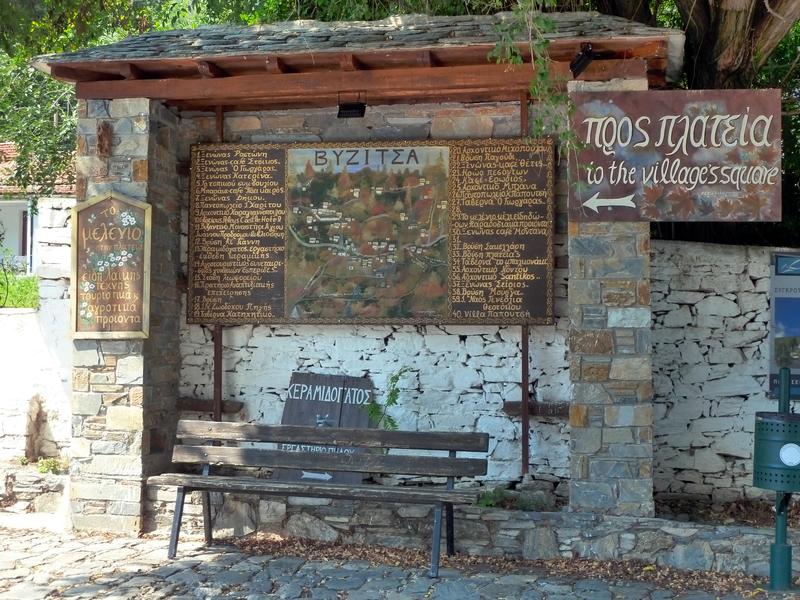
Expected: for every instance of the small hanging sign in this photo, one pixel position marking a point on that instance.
(111, 268)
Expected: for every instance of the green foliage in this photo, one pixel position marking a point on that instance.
(265, 11)
(23, 460)
(39, 116)
(16, 290)
(52, 465)
(23, 292)
(378, 413)
(498, 497)
(552, 105)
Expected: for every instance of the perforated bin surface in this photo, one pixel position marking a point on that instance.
(773, 432)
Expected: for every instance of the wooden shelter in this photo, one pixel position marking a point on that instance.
(146, 99)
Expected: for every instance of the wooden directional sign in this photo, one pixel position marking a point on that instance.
(111, 268)
(699, 155)
(325, 401)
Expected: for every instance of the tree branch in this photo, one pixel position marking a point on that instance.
(696, 15)
(779, 18)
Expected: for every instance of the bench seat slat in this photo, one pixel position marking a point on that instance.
(377, 493)
(355, 462)
(329, 436)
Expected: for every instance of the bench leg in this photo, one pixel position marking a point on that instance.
(451, 544)
(437, 539)
(180, 496)
(207, 517)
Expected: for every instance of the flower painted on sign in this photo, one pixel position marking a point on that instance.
(85, 312)
(115, 259)
(682, 203)
(757, 204)
(88, 286)
(127, 219)
(654, 202)
(726, 209)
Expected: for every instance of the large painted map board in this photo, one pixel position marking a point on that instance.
(385, 232)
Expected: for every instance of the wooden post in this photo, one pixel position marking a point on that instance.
(216, 405)
(524, 412)
(524, 99)
(524, 408)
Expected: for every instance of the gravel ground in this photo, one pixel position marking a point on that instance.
(38, 564)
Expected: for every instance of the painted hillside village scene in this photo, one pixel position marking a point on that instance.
(367, 239)
(412, 300)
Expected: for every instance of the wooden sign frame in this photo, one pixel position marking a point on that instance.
(142, 332)
(215, 166)
(677, 155)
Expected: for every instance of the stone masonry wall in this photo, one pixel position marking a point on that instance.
(611, 410)
(122, 389)
(490, 531)
(460, 376)
(611, 413)
(711, 359)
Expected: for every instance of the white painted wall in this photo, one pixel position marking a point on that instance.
(36, 349)
(11, 220)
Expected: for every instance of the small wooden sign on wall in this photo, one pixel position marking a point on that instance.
(111, 268)
(325, 401)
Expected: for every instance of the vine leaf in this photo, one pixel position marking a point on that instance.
(378, 413)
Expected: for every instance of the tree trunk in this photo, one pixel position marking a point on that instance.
(727, 41)
(635, 10)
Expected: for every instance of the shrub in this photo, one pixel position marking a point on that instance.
(18, 291)
(51, 465)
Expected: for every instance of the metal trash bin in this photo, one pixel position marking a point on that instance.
(776, 453)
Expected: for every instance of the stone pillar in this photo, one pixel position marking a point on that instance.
(611, 411)
(124, 391)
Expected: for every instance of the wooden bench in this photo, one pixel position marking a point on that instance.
(211, 454)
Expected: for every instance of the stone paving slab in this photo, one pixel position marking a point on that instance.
(129, 568)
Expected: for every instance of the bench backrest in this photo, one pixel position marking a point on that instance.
(333, 437)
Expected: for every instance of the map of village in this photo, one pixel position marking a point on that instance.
(367, 233)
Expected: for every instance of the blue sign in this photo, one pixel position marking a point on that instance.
(785, 323)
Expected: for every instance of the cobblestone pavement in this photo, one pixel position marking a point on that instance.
(40, 564)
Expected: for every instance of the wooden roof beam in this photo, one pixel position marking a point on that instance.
(426, 58)
(208, 70)
(130, 71)
(402, 82)
(275, 65)
(65, 73)
(349, 62)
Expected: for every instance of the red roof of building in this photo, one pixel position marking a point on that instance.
(8, 155)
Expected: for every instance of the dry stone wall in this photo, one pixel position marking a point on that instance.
(489, 531)
(458, 380)
(710, 353)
